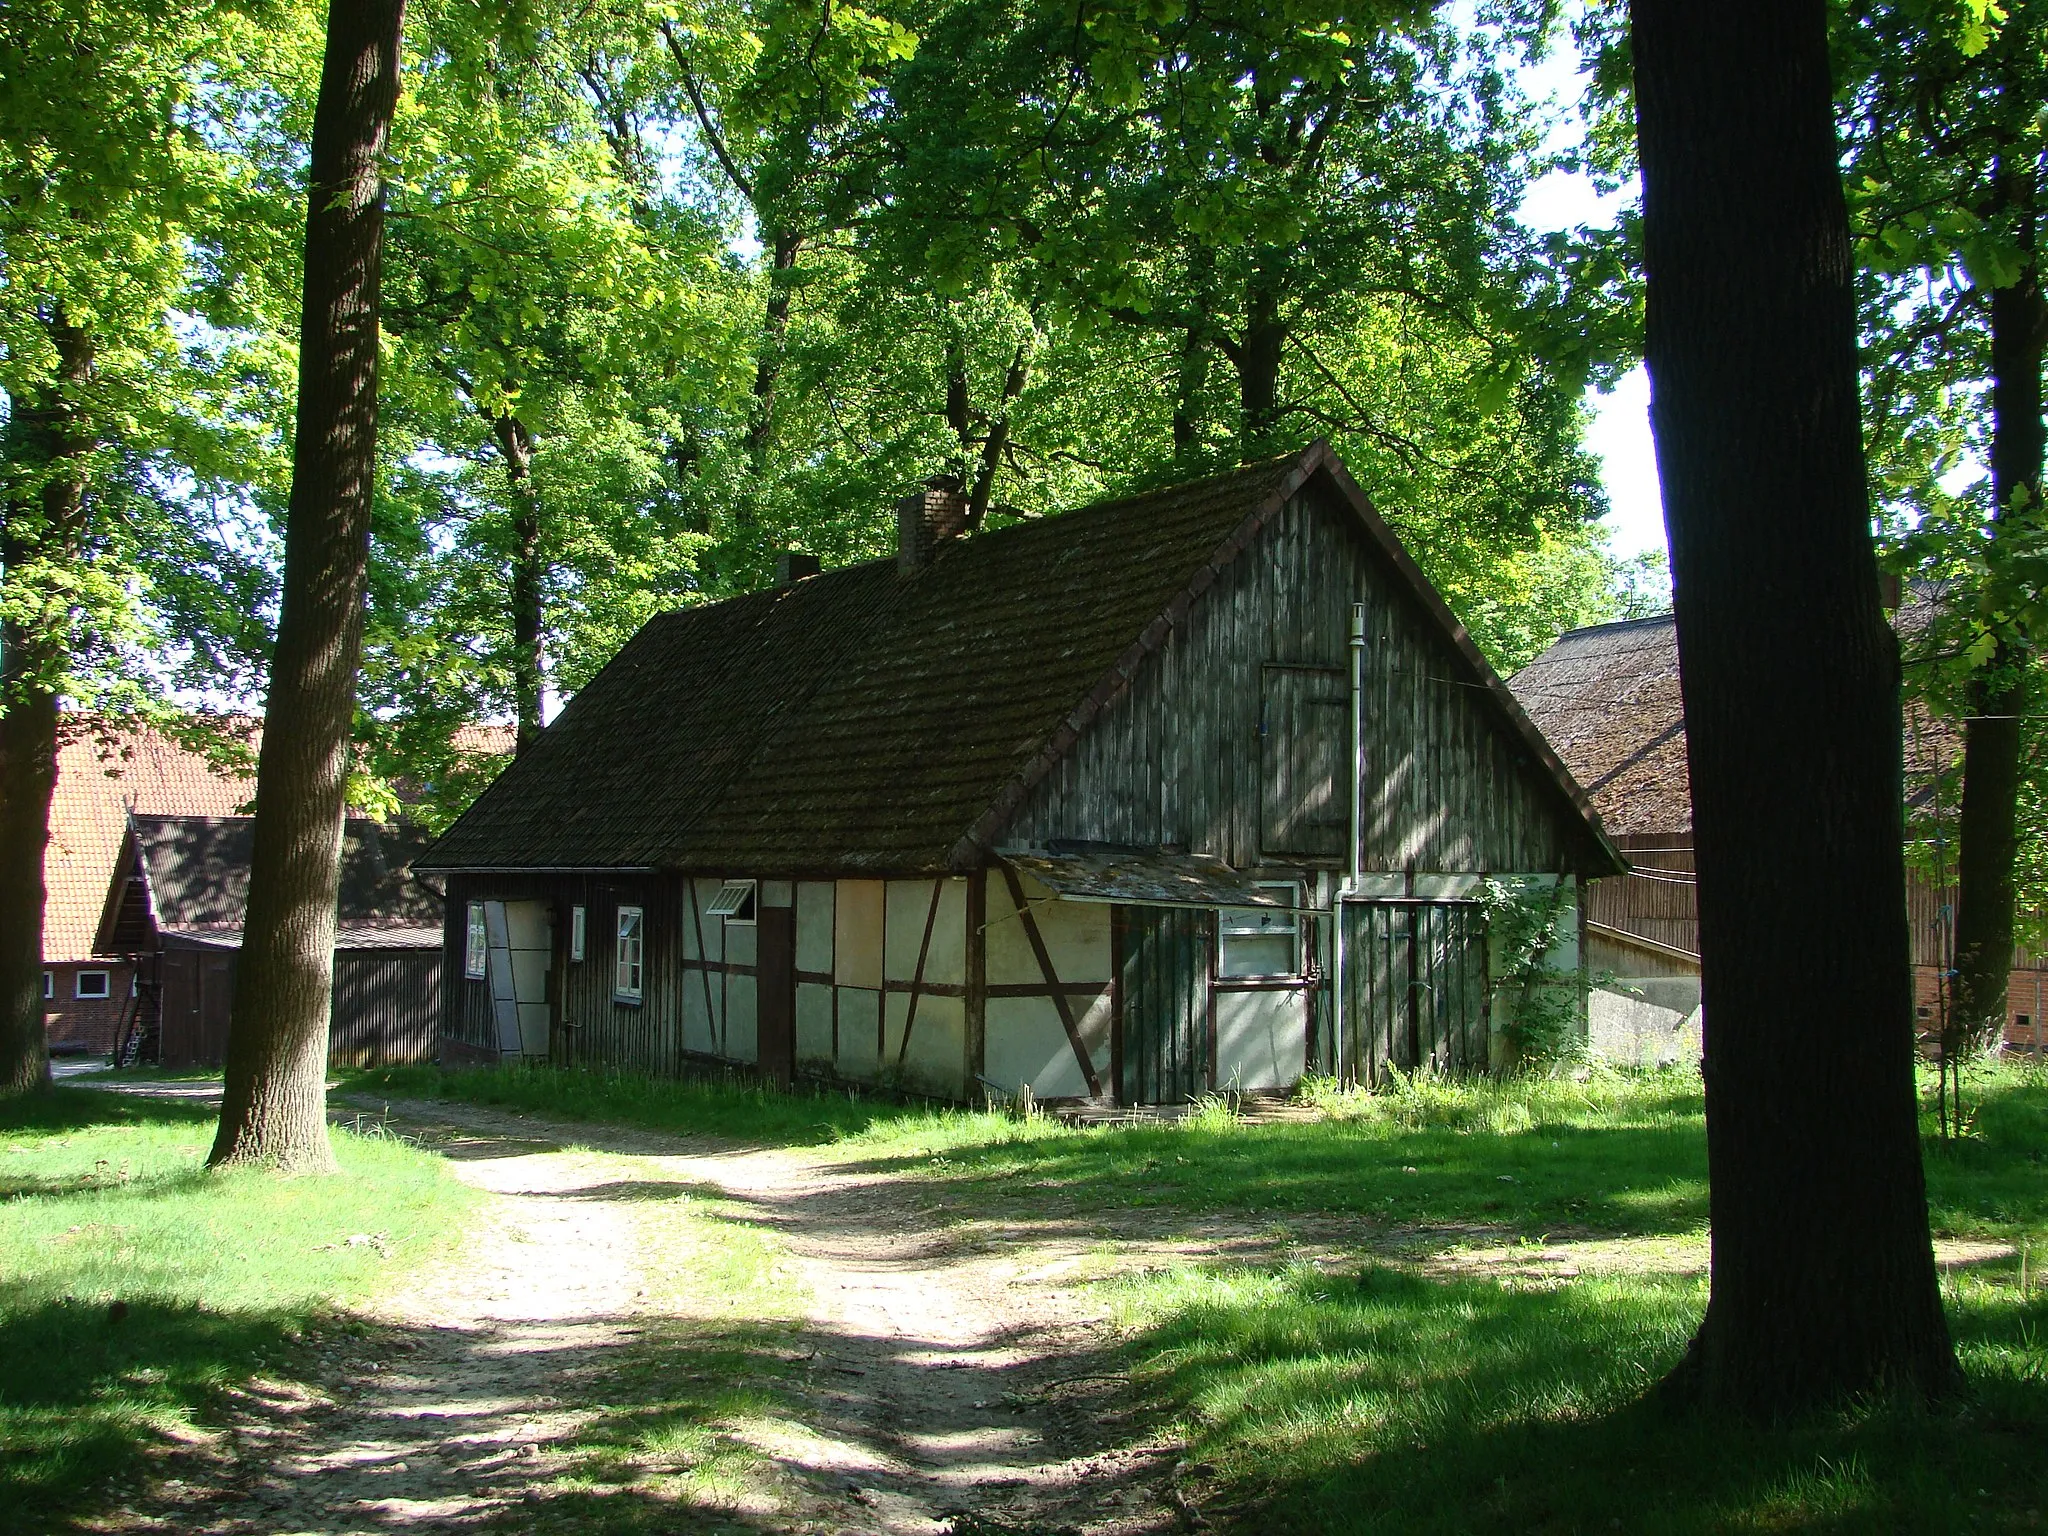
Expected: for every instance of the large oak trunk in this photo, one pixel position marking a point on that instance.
(45, 519)
(1823, 1272)
(272, 1110)
(1987, 834)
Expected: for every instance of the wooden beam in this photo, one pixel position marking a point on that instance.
(924, 948)
(1052, 981)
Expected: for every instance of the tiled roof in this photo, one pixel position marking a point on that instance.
(870, 719)
(1607, 700)
(101, 777)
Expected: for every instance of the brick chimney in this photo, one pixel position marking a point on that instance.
(793, 566)
(927, 519)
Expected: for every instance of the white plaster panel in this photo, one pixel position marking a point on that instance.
(814, 1024)
(533, 1029)
(858, 1011)
(947, 961)
(1008, 954)
(1076, 935)
(739, 942)
(909, 903)
(857, 934)
(711, 927)
(1026, 1044)
(1438, 887)
(777, 893)
(742, 1037)
(701, 1017)
(938, 1043)
(527, 925)
(814, 925)
(530, 976)
(1261, 1039)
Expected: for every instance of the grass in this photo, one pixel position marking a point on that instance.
(136, 1289)
(1391, 1395)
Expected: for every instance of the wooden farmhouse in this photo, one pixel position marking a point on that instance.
(1075, 805)
(173, 914)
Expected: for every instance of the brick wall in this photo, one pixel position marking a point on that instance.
(2026, 1002)
(76, 1024)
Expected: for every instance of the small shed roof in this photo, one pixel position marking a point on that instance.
(189, 876)
(883, 721)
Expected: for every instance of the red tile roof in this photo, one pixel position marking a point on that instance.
(103, 773)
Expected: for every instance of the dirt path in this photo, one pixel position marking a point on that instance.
(935, 1385)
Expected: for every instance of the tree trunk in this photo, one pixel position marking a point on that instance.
(529, 675)
(272, 1110)
(1258, 363)
(45, 522)
(768, 367)
(997, 441)
(1191, 378)
(1823, 1271)
(1987, 833)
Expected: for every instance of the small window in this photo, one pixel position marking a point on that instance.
(2023, 1021)
(1261, 941)
(90, 984)
(734, 902)
(626, 982)
(49, 984)
(1923, 1012)
(578, 919)
(478, 950)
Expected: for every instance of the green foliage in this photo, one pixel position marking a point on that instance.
(222, 1276)
(1536, 1002)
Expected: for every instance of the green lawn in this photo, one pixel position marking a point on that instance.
(136, 1288)
(1382, 1392)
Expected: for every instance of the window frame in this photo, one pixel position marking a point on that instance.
(80, 995)
(49, 986)
(737, 901)
(579, 931)
(1291, 913)
(629, 975)
(476, 943)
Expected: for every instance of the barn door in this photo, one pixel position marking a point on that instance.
(1163, 1004)
(775, 977)
(1415, 987)
(1304, 738)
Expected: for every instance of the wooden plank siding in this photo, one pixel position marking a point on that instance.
(1180, 760)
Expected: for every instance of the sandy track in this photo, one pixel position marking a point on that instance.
(936, 1389)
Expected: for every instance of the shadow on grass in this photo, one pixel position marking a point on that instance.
(88, 1401)
(1627, 1180)
(67, 1108)
(1390, 1402)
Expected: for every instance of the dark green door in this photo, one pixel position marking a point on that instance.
(1415, 987)
(1163, 1004)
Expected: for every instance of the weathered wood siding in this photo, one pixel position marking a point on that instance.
(1198, 751)
(387, 1006)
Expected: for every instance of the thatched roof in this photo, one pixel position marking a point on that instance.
(1607, 700)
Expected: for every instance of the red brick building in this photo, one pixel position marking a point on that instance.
(102, 776)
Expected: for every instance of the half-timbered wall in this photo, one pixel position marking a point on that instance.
(1204, 750)
(881, 977)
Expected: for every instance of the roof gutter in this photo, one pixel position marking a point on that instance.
(533, 869)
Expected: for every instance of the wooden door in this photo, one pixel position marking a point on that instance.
(178, 1019)
(775, 978)
(216, 1004)
(1304, 743)
(1162, 1019)
(1415, 987)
